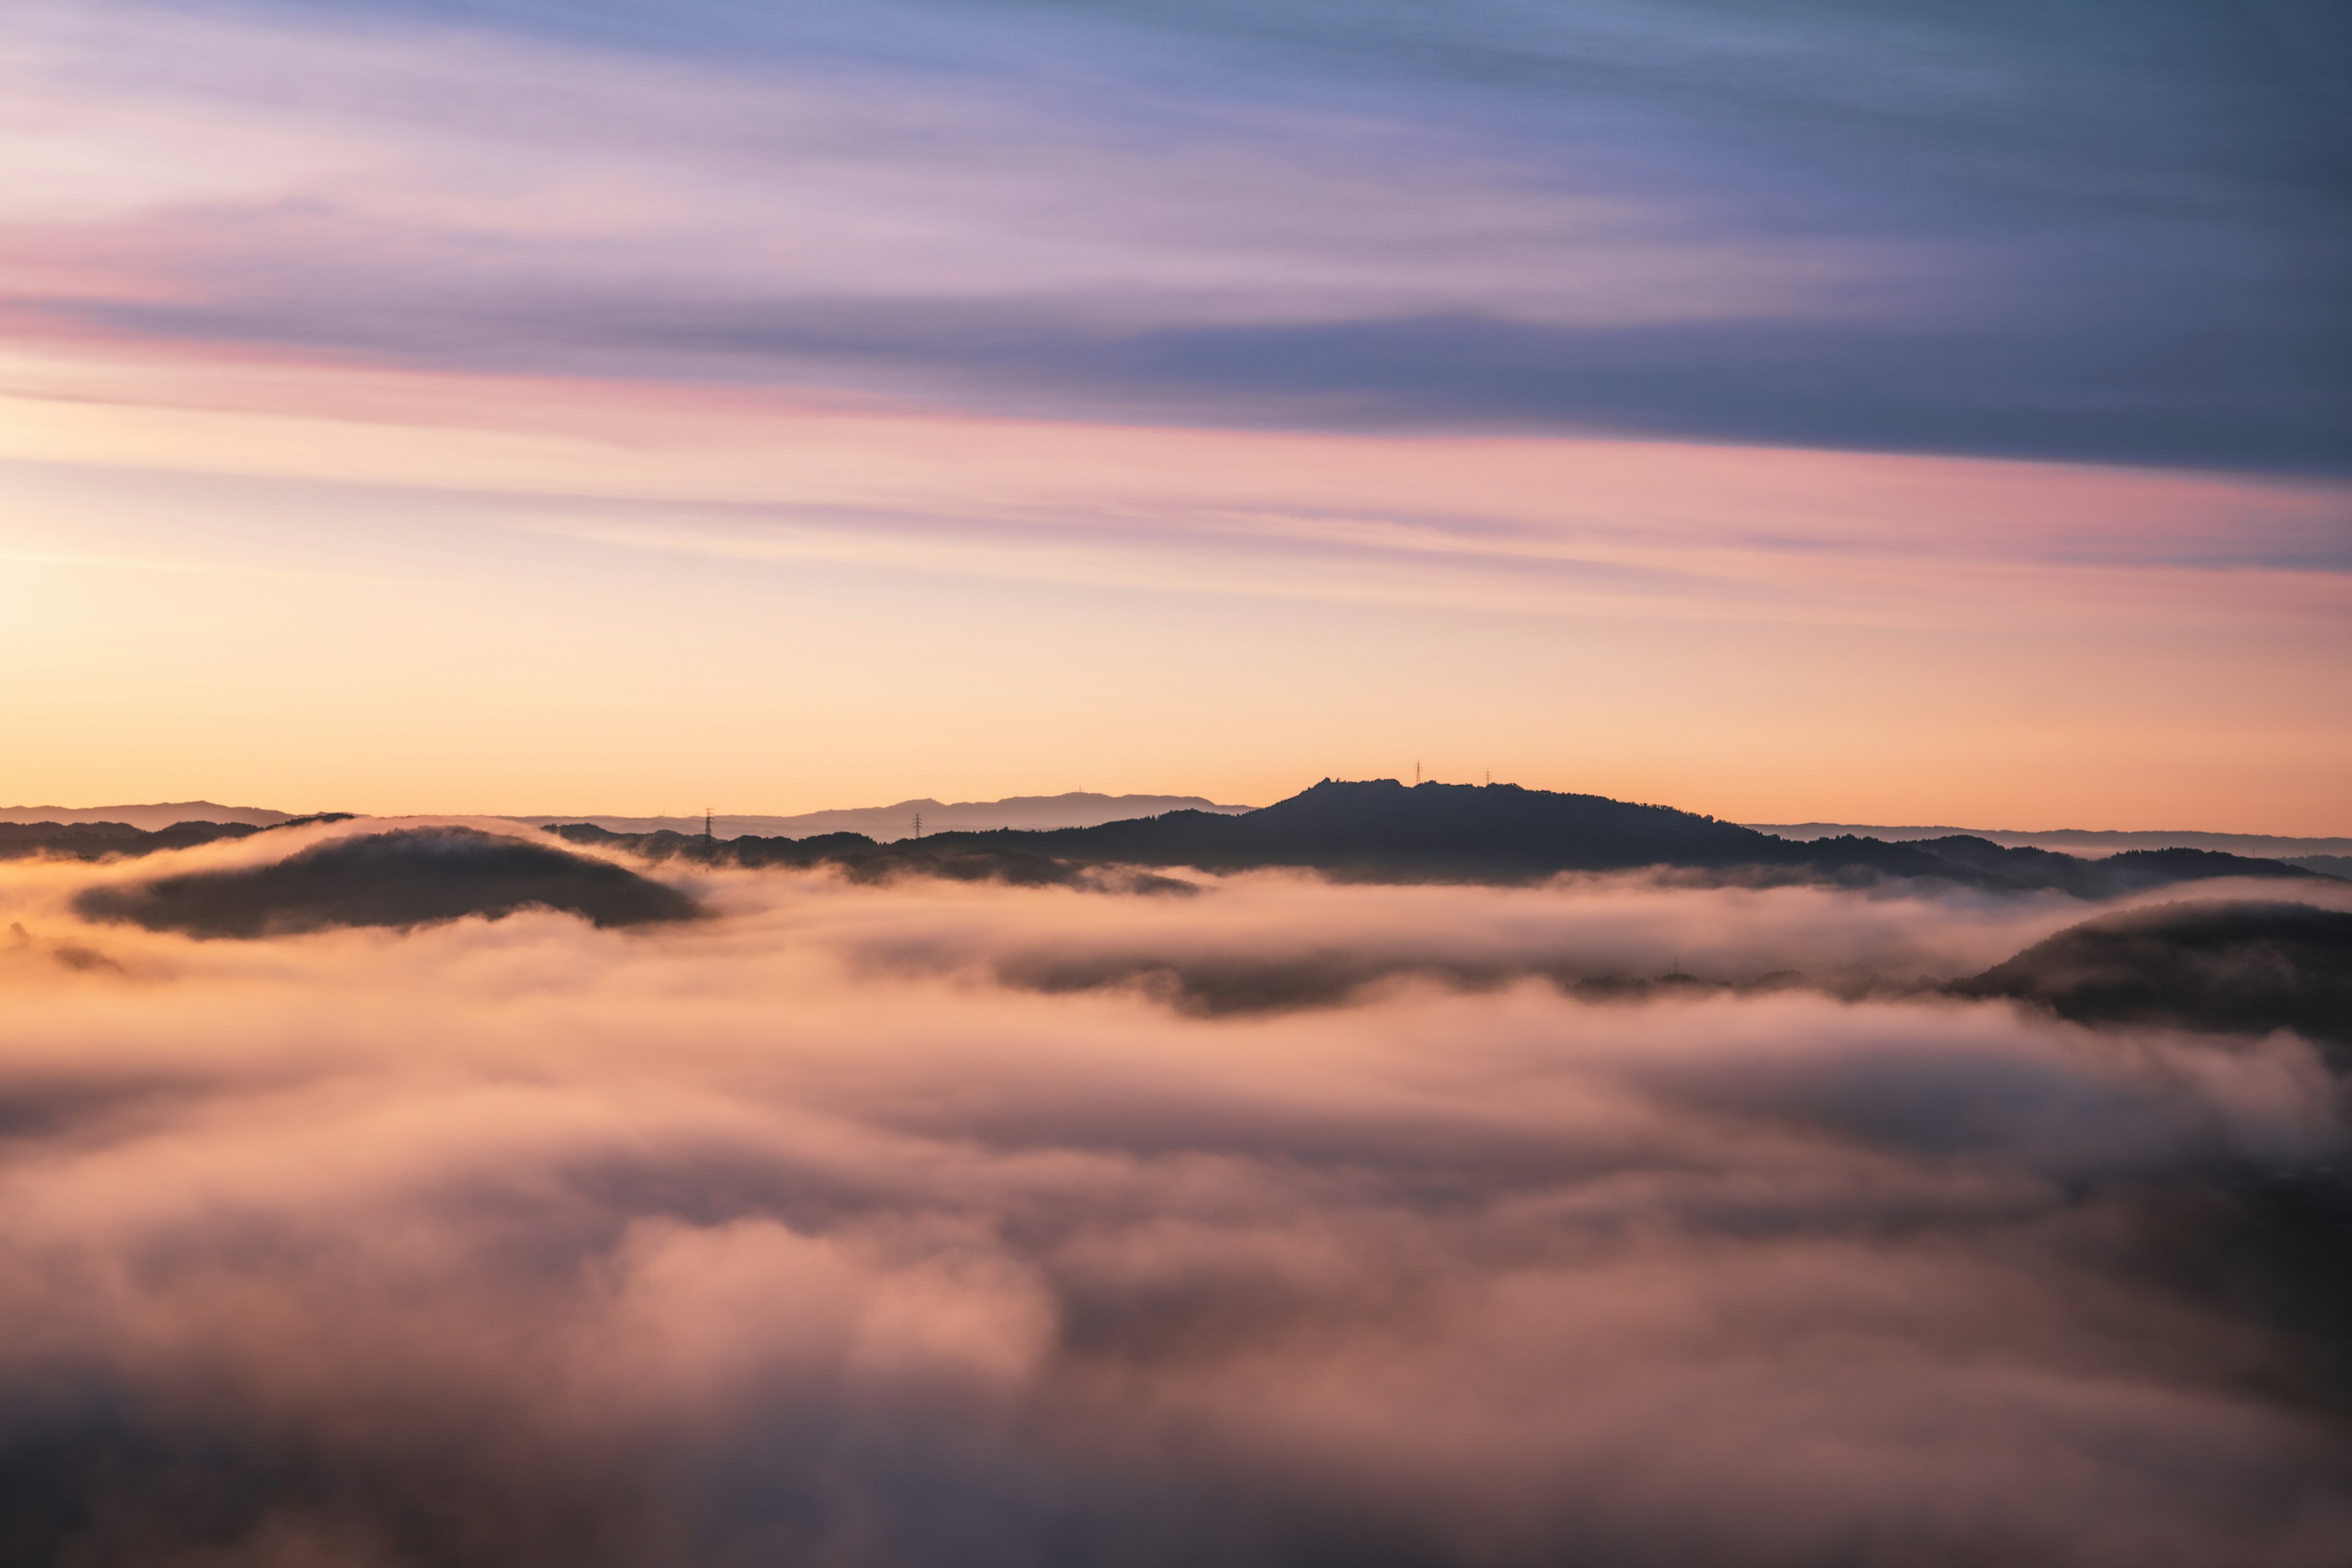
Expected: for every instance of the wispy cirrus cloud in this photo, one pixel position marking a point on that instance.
(1908, 239)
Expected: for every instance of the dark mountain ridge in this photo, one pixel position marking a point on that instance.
(404, 877)
(118, 840)
(1380, 830)
(886, 824)
(2233, 966)
(108, 840)
(147, 819)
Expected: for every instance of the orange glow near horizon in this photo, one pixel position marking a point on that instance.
(444, 424)
(318, 585)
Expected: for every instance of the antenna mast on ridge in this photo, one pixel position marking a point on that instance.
(919, 828)
(706, 830)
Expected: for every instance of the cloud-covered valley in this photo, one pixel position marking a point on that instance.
(941, 1222)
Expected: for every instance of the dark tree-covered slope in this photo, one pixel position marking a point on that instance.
(405, 877)
(1380, 830)
(2230, 966)
(107, 840)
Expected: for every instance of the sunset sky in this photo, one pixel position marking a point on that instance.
(1920, 415)
(494, 430)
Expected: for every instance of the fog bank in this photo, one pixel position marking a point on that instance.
(841, 1227)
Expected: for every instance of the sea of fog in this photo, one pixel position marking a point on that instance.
(1278, 1222)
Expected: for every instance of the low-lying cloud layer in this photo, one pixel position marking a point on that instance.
(815, 1232)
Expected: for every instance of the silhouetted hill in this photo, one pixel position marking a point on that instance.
(1380, 830)
(147, 819)
(2220, 965)
(2084, 841)
(862, 860)
(108, 840)
(885, 824)
(405, 877)
(1383, 829)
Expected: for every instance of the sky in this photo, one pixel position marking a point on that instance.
(1817, 411)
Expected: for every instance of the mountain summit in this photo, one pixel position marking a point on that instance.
(1381, 827)
(1380, 830)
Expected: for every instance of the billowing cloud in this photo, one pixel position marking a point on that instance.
(796, 1234)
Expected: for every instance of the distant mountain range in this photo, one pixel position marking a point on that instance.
(2075, 840)
(885, 824)
(2330, 857)
(1083, 808)
(1076, 808)
(1380, 830)
(148, 818)
(117, 840)
(1375, 830)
